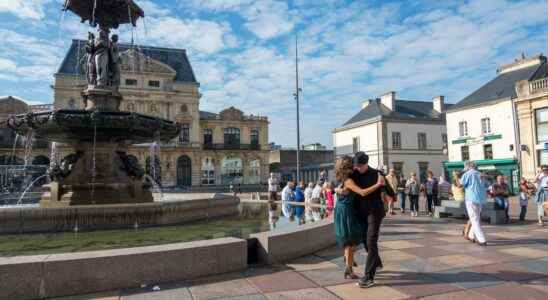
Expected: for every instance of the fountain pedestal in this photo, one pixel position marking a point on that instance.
(97, 99)
(99, 176)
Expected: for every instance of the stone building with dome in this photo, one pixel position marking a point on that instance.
(213, 149)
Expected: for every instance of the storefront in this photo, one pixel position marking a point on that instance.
(490, 168)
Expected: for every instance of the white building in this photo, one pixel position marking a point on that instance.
(482, 126)
(409, 136)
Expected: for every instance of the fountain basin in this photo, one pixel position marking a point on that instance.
(75, 126)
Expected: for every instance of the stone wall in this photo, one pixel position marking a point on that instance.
(45, 276)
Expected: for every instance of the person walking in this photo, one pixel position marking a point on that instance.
(273, 185)
(500, 192)
(401, 191)
(541, 197)
(371, 209)
(526, 191)
(288, 196)
(392, 182)
(413, 189)
(299, 197)
(475, 197)
(349, 225)
(431, 191)
(444, 188)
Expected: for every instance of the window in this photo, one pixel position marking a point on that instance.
(421, 137)
(465, 153)
(485, 126)
(208, 172)
(254, 137)
(488, 151)
(423, 171)
(396, 140)
(232, 170)
(232, 137)
(154, 83)
(398, 167)
(541, 120)
(444, 139)
(254, 172)
(463, 128)
(131, 82)
(184, 108)
(208, 136)
(355, 144)
(184, 136)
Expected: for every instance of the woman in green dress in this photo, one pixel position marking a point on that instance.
(349, 228)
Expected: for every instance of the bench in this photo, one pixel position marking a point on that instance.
(457, 209)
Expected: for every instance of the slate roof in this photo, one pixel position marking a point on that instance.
(175, 58)
(405, 110)
(205, 115)
(501, 87)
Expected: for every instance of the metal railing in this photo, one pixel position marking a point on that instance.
(213, 146)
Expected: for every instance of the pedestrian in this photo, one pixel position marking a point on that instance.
(273, 187)
(444, 188)
(392, 182)
(350, 226)
(401, 191)
(371, 209)
(500, 192)
(431, 190)
(317, 195)
(475, 197)
(308, 201)
(457, 190)
(541, 197)
(526, 191)
(413, 190)
(329, 198)
(288, 196)
(299, 208)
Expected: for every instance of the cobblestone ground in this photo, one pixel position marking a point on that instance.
(423, 258)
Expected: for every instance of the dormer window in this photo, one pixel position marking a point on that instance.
(154, 83)
(131, 82)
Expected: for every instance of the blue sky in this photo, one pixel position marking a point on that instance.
(243, 54)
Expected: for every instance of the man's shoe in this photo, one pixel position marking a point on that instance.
(366, 283)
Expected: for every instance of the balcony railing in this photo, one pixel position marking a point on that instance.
(211, 146)
(539, 85)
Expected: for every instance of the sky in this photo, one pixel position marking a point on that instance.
(243, 51)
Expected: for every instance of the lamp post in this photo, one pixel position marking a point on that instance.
(296, 95)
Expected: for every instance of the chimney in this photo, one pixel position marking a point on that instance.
(438, 103)
(389, 100)
(366, 103)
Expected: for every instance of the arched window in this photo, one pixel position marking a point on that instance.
(184, 108)
(254, 137)
(208, 136)
(208, 171)
(72, 104)
(254, 172)
(184, 136)
(232, 170)
(232, 138)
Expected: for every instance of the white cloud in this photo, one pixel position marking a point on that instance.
(268, 19)
(24, 9)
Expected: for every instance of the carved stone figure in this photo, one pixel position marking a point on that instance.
(90, 59)
(102, 58)
(115, 62)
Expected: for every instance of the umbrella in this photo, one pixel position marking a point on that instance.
(106, 13)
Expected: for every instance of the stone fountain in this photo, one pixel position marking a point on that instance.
(99, 171)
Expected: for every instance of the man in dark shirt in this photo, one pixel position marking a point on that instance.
(371, 209)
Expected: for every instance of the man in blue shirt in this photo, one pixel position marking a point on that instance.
(475, 197)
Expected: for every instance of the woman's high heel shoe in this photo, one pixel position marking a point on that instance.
(349, 274)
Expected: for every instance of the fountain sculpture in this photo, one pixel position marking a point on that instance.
(99, 171)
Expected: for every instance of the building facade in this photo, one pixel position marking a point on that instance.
(483, 126)
(213, 149)
(283, 163)
(532, 114)
(409, 136)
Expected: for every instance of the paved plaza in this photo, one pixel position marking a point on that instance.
(422, 259)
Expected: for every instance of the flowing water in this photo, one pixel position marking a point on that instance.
(53, 155)
(20, 201)
(155, 187)
(93, 166)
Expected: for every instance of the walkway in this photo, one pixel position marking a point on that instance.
(422, 259)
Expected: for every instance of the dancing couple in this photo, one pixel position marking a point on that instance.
(358, 213)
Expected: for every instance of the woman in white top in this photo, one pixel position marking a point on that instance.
(541, 197)
(307, 200)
